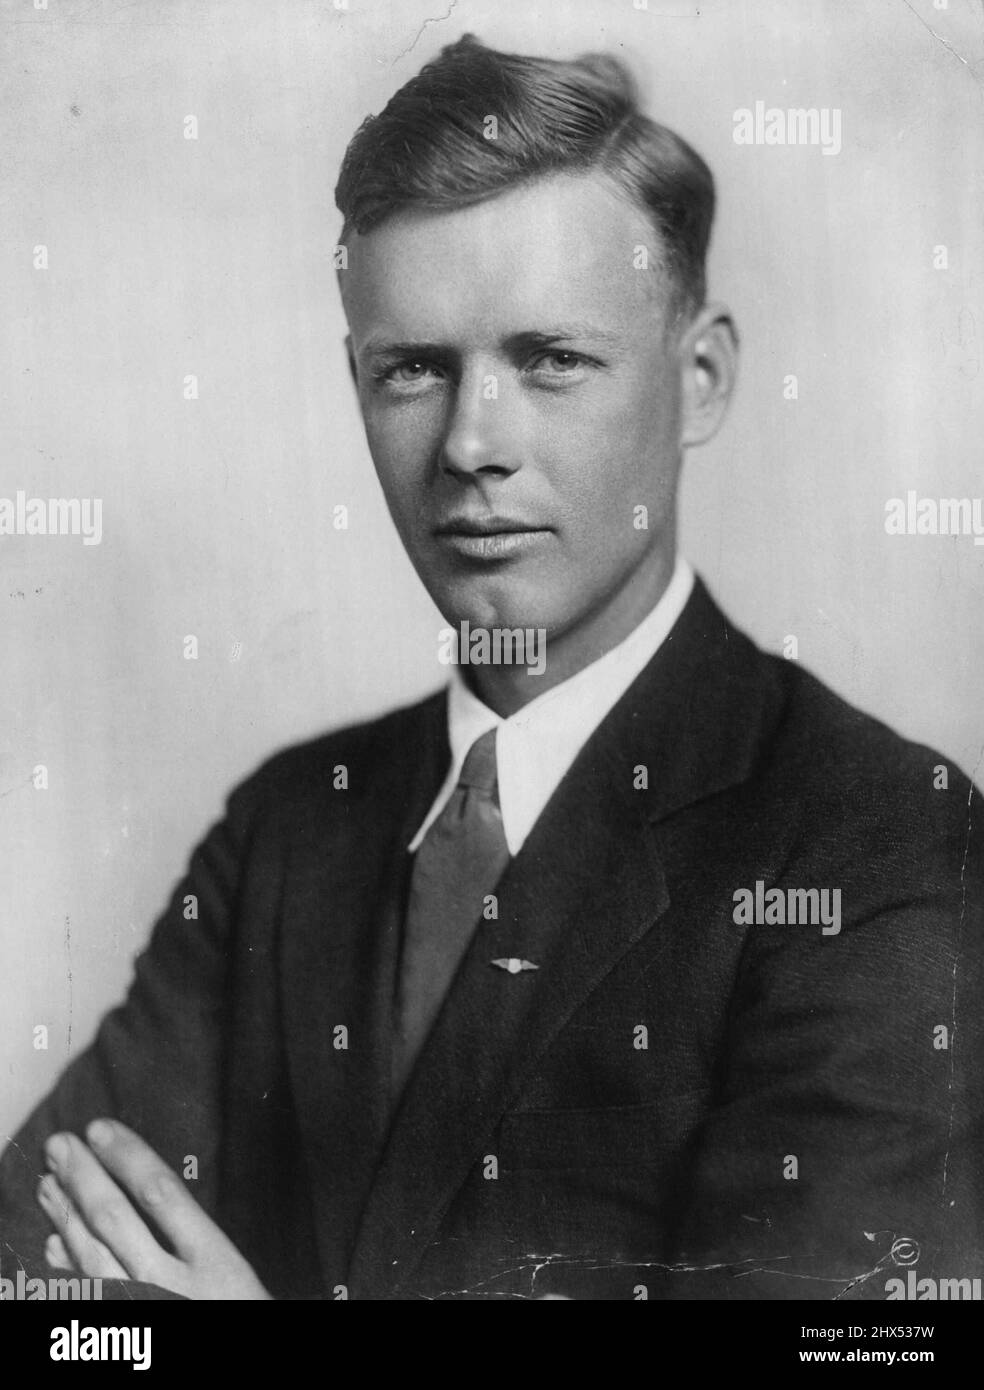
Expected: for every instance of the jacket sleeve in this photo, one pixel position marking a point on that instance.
(848, 1145)
(156, 1062)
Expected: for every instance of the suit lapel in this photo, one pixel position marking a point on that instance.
(343, 899)
(586, 886)
(572, 902)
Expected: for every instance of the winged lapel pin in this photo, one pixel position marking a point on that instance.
(514, 965)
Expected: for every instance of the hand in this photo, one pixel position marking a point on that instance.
(93, 1197)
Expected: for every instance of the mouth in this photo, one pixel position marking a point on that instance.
(490, 538)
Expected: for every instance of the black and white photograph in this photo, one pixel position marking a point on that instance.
(492, 649)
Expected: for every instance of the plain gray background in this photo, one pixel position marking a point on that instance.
(170, 257)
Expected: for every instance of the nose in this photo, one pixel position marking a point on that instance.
(481, 434)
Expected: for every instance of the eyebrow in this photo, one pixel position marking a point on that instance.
(378, 347)
(526, 338)
(566, 333)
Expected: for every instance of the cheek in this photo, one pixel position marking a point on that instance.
(624, 453)
(401, 444)
(647, 423)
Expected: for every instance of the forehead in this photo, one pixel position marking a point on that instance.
(563, 248)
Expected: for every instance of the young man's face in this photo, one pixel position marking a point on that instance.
(522, 402)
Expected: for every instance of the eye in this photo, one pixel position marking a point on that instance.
(559, 361)
(413, 371)
(408, 371)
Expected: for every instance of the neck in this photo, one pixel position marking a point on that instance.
(507, 688)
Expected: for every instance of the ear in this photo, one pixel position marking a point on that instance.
(350, 354)
(708, 352)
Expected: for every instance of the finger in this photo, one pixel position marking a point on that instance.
(88, 1255)
(159, 1191)
(56, 1255)
(106, 1211)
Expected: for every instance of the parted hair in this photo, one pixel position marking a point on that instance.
(433, 147)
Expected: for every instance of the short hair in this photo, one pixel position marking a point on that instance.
(428, 148)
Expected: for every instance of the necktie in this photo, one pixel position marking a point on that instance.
(459, 862)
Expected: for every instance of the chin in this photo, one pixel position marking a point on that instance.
(480, 606)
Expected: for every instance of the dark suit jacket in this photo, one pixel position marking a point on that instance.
(540, 1147)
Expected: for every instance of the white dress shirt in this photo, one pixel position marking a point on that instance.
(536, 745)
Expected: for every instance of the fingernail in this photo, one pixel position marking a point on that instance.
(46, 1191)
(99, 1132)
(57, 1150)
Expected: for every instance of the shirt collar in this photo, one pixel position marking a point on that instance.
(536, 745)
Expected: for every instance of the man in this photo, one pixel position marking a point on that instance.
(648, 970)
